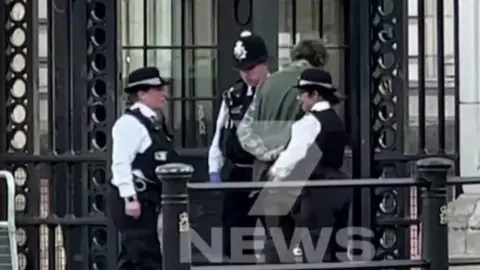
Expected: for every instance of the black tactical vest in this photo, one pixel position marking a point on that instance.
(237, 102)
(160, 151)
(332, 141)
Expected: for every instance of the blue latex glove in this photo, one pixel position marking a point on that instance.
(215, 177)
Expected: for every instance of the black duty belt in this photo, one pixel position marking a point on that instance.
(243, 165)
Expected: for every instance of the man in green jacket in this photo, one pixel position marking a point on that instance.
(265, 129)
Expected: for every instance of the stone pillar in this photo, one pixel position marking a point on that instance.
(465, 211)
(469, 91)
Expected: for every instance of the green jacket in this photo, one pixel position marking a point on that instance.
(265, 128)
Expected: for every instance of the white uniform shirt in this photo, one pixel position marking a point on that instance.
(130, 137)
(215, 155)
(304, 132)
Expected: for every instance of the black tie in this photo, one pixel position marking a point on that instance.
(253, 88)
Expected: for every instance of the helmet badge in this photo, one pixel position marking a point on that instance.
(239, 51)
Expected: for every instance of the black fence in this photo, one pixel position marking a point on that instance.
(431, 177)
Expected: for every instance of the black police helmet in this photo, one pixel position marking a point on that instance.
(249, 51)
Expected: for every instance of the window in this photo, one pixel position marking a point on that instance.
(314, 19)
(42, 76)
(413, 37)
(179, 38)
(42, 9)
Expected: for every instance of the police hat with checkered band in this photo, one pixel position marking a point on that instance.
(249, 50)
(319, 80)
(143, 79)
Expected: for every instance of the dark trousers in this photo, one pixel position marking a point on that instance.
(313, 211)
(325, 210)
(286, 226)
(237, 221)
(140, 247)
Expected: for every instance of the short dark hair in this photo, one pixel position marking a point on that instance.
(311, 50)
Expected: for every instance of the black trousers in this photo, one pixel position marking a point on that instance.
(313, 211)
(325, 210)
(140, 247)
(286, 226)
(237, 221)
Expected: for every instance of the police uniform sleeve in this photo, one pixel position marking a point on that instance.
(127, 135)
(215, 155)
(303, 134)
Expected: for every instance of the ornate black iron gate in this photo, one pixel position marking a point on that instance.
(60, 158)
(56, 141)
(380, 97)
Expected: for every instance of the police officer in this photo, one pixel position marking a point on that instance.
(277, 103)
(140, 144)
(319, 135)
(226, 158)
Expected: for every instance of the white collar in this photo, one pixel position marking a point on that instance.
(321, 106)
(144, 109)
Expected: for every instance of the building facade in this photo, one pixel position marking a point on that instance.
(179, 37)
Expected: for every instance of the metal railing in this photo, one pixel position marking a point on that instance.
(431, 175)
(9, 224)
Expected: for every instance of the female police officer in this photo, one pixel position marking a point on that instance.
(139, 146)
(316, 151)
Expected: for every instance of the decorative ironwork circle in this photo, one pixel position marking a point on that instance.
(20, 175)
(388, 202)
(99, 263)
(98, 11)
(18, 89)
(100, 140)
(388, 137)
(18, 63)
(17, 11)
(98, 36)
(18, 37)
(388, 239)
(99, 203)
(21, 237)
(20, 202)
(18, 114)
(100, 237)
(19, 140)
(99, 114)
(99, 62)
(99, 176)
(99, 88)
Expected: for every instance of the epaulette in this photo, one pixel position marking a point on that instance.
(237, 85)
(228, 94)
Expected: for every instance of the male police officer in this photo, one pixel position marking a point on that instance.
(139, 146)
(265, 129)
(250, 58)
(319, 137)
